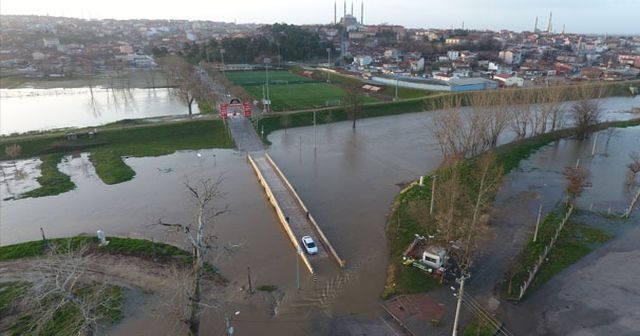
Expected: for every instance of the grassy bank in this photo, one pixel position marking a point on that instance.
(124, 139)
(66, 319)
(574, 242)
(52, 181)
(479, 328)
(118, 246)
(434, 101)
(408, 215)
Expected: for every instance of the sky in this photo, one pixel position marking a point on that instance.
(579, 16)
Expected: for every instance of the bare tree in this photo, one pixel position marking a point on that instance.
(632, 181)
(200, 236)
(520, 115)
(64, 283)
(13, 151)
(188, 86)
(577, 180)
(550, 107)
(586, 111)
(353, 100)
(285, 121)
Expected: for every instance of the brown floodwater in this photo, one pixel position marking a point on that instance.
(348, 182)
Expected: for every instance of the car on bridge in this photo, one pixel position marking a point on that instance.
(309, 245)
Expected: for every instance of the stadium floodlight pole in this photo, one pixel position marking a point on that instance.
(222, 51)
(396, 97)
(329, 65)
(266, 63)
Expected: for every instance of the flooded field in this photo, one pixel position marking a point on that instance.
(348, 183)
(25, 110)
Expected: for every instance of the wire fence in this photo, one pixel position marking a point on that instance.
(543, 256)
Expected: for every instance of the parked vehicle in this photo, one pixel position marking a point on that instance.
(309, 245)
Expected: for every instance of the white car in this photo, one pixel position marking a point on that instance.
(309, 245)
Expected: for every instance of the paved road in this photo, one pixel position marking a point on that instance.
(244, 135)
(598, 295)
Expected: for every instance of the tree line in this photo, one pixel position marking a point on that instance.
(279, 41)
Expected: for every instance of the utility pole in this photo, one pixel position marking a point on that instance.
(458, 306)
(535, 233)
(222, 51)
(249, 278)
(595, 142)
(315, 130)
(433, 193)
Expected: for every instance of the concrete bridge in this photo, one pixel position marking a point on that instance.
(294, 216)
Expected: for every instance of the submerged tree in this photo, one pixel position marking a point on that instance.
(631, 182)
(586, 111)
(188, 86)
(201, 238)
(577, 180)
(353, 100)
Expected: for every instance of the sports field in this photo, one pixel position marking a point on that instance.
(246, 78)
(289, 91)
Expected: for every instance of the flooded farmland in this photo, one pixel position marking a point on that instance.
(25, 110)
(348, 182)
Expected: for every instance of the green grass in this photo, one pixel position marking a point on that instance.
(258, 78)
(68, 319)
(267, 288)
(118, 246)
(134, 139)
(574, 242)
(479, 328)
(10, 292)
(409, 214)
(301, 96)
(205, 108)
(52, 181)
(110, 167)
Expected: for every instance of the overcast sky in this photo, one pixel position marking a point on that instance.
(580, 16)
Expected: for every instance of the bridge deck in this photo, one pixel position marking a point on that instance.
(293, 215)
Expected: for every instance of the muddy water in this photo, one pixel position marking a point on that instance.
(26, 110)
(348, 183)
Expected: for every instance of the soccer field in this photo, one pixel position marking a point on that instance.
(247, 78)
(289, 91)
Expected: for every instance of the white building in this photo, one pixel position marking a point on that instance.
(417, 65)
(363, 60)
(509, 81)
(453, 55)
(510, 57)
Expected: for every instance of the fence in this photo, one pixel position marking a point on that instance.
(543, 256)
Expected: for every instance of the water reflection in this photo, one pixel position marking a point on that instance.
(26, 110)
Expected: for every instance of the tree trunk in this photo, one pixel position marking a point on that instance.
(189, 105)
(195, 296)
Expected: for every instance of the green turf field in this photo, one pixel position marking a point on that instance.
(302, 96)
(247, 78)
(289, 91)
